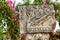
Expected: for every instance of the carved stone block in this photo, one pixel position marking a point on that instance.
(35, 19)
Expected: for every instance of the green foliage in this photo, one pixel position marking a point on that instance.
(17, 9)
(48, 1)
(1, 34)
(6, 14)
(27, 2)
(37, 2)
(57, 10)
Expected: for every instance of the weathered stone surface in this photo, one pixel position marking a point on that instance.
(35, 15)
(37, 36)
(36, 19)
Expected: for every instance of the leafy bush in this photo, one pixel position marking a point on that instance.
(11, 20)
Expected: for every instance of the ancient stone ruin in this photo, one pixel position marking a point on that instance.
(37, 21)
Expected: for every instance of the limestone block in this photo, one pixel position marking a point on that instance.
(36, 15)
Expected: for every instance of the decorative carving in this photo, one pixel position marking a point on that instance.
(36, 19)
(37, 36)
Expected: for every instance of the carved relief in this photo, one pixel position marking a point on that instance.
(35, 19)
